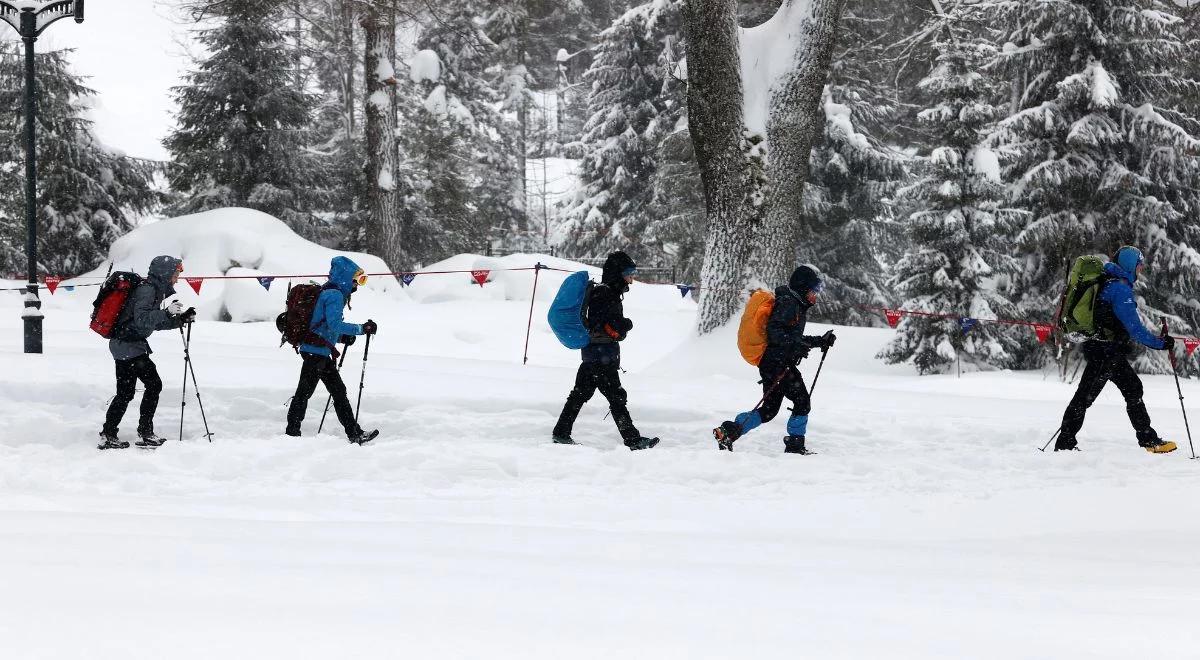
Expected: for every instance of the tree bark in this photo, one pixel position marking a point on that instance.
(384, 225)
(795, 121)
(717, 127)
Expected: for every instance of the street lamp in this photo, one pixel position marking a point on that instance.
(30, 18)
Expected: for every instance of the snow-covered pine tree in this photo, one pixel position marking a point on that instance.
(613, 209)
(243, 122)
(960, 261)
(88, 195)
(1097, 161)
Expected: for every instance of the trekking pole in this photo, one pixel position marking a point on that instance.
(362, 379)
(195, 386)
(537, 270)
(1175, 372)
(824, 352)
(1043, 449)
(183, 395)
(329, 399)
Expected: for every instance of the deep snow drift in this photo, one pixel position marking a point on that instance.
(928, 526)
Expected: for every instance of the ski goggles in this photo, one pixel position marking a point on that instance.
(360, 277)
(629, 272)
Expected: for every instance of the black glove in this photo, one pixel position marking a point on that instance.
(370, 327)
(188, 316)
(827, 340)
(803, 353)
(348, 339)
(1168, 343)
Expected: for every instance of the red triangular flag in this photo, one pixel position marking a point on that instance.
(195, 283)
(480, 276)
(1043, 331)
(893, 316)
(52, 283)
(1190, 344)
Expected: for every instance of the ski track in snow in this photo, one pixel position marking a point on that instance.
(928, 526)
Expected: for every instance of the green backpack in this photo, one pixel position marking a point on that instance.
(1079, 300)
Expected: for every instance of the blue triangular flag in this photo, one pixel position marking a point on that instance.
(266, 282)
(966, 324)
(408, 278)
(684, 289)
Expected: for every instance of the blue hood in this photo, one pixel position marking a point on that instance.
(341, 273)
(1115, 270)
(1128, 258)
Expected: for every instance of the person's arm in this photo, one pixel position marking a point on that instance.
(1120, 295)
(332, 303)
(148, 317)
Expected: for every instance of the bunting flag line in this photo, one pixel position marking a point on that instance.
(893, 317)
(480, 276)
(265, 282)
(52, 283)
(1190, 344)
(407, 278)
(195, 283)
(967, 324)
(683, 290)
(1043, 331)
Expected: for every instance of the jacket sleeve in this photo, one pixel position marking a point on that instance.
(782, 328)
(606, 314)
(1125, 309)
(148, 317)
(332, 303)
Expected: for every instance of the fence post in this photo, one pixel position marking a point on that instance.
(537, 270)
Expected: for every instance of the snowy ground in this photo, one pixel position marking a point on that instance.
(928, 526)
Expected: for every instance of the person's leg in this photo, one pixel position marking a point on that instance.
(126, 386)
(332, 378)
(608, 380)
(147, 372)
(584, 389)
(1095, 376)
(772, 384)
(309, 375)
(1126, 380)
(797, 426)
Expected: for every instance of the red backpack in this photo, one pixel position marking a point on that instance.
(111, 299)
(295, 324)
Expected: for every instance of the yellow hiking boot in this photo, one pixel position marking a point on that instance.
(1158, 446)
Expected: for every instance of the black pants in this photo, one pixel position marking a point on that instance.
(129, 372)
(791, 387)
(592, 376)
(324, 369)
(1101, 368)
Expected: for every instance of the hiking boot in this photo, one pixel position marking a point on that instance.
(110, 441)
(794, 444)
(149, 440)
(295, 433)
(1157, 446)
(639, 443)
(563, 440)
(1066, 444)
(725, 434)
(362, 438)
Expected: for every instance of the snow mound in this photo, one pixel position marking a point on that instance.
(235, 242)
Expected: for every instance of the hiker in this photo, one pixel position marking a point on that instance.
(607, 326)
(1117, 325)
(140, 317)
(326, 327)
(786, 345)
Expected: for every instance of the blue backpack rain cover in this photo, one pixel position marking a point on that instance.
(566, 312)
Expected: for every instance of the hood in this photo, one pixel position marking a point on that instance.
(160, 272)
(1128, 258)
(341, 273)
(614, 268)
(804, 279)
(1113, 269)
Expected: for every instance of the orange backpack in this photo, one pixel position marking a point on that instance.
(752, 331)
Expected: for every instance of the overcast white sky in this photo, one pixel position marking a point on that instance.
(131, 51)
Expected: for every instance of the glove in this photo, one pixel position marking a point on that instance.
(827, 340)
(370, 327)
(1168, 343)
(348, 339)
(175, 308)
(188, 316)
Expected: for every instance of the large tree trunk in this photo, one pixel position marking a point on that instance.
(384, 226)
(794, 123)
(716, 124)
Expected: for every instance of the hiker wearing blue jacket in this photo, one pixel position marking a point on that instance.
(344, 279)
(1118, 323)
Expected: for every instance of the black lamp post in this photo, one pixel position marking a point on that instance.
(30, 18)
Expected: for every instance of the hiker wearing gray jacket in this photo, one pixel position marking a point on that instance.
(141, 315)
